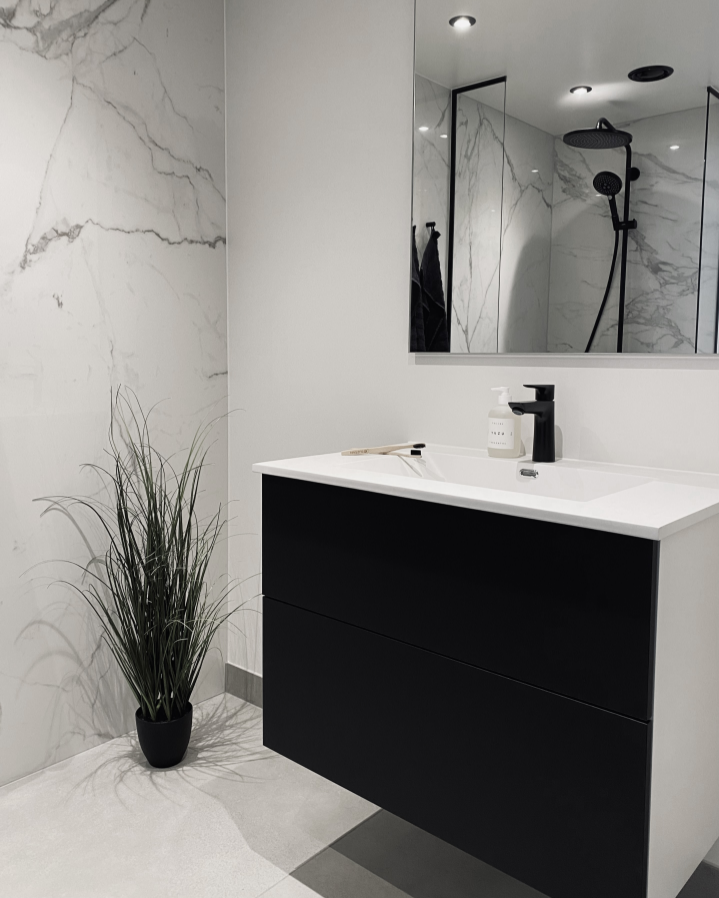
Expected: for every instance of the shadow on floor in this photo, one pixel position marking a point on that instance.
(385, 857)
(226, 735)
(703, 884)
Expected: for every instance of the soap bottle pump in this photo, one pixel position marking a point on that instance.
(504, 438)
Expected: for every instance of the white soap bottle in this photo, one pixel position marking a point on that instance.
(504, 436)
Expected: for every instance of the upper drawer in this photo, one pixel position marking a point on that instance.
(564, 608)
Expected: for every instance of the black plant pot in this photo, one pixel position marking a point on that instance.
(164, 742)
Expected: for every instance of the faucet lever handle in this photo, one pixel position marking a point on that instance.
(544, 392)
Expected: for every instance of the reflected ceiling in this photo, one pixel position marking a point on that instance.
(546, 48)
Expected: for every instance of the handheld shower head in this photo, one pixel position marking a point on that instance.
(607, 183)
(604, 137)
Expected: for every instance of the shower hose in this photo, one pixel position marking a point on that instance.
(606, 292)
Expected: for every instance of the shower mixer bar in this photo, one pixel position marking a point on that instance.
(606, 137)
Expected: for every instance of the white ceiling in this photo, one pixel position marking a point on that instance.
(544, 47)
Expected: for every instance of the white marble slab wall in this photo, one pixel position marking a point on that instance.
(477, 226)
(500, 288)
(112, 271)
(430, 195)
(527, 237)
(709, 288)
(662, 274)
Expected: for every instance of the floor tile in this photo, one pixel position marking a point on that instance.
(229, 822)
(289, 887)
(703, 884)
(385, 856)
(332, 875)
(232, 821)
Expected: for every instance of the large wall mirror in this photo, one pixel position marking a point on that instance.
(566, 177)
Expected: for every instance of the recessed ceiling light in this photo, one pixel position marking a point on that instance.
(580, 89)
(462, 23)
(674, 146)
(423, 128)
(649, 73)
(443, 136)
(535, 171)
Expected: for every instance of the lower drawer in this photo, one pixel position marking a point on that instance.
(545, 788)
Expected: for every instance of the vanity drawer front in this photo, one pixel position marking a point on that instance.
(564, 608)
(547, 789)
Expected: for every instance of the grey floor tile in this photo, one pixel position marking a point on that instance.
(386, 853)
(332, 875)
(231, 821)
(289, 888)
(703, 884)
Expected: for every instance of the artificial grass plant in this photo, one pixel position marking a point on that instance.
(150, 590)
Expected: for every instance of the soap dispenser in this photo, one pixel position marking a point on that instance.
(504, 437)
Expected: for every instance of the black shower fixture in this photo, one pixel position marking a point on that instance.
(648, 73)
(606, 137)
(603, 137)
(607, 183)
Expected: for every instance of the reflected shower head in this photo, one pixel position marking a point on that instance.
(607, 183)
(604, 137)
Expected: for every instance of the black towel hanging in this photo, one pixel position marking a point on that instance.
(436, 336)
(416, 338)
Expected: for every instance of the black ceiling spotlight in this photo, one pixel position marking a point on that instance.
(580, 89)
(648, 73)
(462, 23)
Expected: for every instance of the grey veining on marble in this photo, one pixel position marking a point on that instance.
(112, 271)
(502, 237)
(477, 226)
(663, 258)
(430, 195)
(526, 238)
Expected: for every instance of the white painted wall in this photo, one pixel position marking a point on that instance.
(319, 127)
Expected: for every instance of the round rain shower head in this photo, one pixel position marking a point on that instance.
(649, 73)
(607, 183)
(598, 139)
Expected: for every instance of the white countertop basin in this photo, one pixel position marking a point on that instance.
(645, 502)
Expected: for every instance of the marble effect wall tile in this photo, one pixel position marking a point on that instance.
(582, 243)
(477, 226)
(662, 270)
(112, 271)
(526, 238)
(501, 281)
(430, 195)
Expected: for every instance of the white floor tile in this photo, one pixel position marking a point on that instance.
(230, 822)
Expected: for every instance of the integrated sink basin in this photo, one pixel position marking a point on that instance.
(559, 480)
(637, 501)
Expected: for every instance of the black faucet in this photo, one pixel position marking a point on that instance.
(543, 411)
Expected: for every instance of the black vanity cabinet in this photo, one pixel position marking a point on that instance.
(488, 678)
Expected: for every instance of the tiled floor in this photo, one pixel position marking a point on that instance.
(233, 821)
